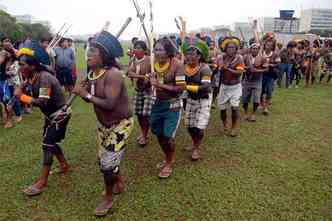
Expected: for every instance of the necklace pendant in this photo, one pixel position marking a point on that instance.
(93, 89)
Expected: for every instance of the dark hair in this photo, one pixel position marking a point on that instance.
(169, 48)
(3, 38)
(107, 60)
(134, 39)
(201, 60)
(142, 44)
(45, 38)
(32, 61)
(291, 44)
(62, 40)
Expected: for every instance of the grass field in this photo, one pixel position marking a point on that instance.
(280, 168)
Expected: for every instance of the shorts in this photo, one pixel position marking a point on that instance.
(64, 76)
(198, 112)
(251, 92)
(229, 96)
(111, 144)
(55, 132)
(267, 86)
(143, 102)
(165, 117)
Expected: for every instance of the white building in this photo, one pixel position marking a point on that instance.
(243, 30)
(316, 19)
(266, 24)
(270, 24)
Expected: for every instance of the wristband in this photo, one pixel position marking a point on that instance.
(26, 99)
(192, 88)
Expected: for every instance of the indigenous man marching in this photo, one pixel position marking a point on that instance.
(106, 90)
(272, 62)
(327, 56)
(140, 70)
(198, 85)
(231, 67)
(213, 64)
(252, 84)
(168, 82)
(47, 95)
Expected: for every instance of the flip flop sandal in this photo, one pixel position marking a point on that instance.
(165, 172)
(103, 209)
(33, 191)
(142, 144)
(58, 171)
(161, 164)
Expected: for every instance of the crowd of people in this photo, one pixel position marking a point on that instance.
(60, 60)
(187, 75)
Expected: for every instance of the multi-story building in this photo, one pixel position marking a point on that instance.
(266, 24)
(243, 30)
(315, 19)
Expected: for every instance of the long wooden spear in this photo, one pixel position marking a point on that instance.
(73, 96)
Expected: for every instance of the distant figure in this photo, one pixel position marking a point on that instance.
(64, 61)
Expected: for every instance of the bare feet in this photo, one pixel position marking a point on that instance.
(8, 124)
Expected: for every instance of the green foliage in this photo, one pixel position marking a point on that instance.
(18, 31)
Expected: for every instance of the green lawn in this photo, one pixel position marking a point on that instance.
(280, 168)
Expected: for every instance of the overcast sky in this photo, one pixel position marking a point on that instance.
(90, 16)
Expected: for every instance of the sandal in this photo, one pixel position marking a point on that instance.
(33, 191)
(165, 172)
(103, 208)
(161, 164)
(59, 171)
(142, 143)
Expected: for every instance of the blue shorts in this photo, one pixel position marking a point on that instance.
(165, 118)
(65, 77)
(267, 86)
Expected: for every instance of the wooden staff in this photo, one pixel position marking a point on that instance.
(56, 35)
(151, 46)
(73, 96)
(141, 18)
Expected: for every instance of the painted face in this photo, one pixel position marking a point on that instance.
(231, 49)
(269, 45)
(138, 51)
(25, 69)
(160, 53)
(94, 58)
(254, 51)
(192, 56)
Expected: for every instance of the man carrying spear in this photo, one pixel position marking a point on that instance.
(106, 90)
(140, 70)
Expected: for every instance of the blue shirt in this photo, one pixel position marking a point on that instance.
(65, 57)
